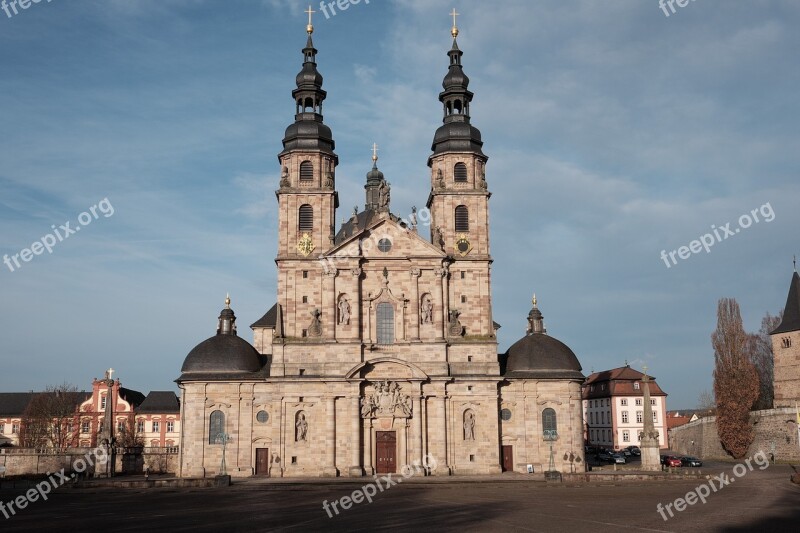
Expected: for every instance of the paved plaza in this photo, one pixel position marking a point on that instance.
(758, 501)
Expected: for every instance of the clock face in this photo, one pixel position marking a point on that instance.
(305, 245)
(463, 246)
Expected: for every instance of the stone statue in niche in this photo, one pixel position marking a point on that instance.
(329, 180)
(315, 328)
(301, 427)
(439, 179)
(285, 178)
(344, 311)
(483, 184)
(426, 309)
(469, 425)
(437, 238)
(454, 327)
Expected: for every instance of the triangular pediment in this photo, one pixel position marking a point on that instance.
(404, 243)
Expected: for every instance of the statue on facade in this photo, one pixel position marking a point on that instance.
(439, 179)
(344, 311)
(482, 183)
(329, 180)
(426, 310)
(469, 425)
(437, 237)
(301, 428)
(384, 194)
(454, 327)
(285, 178)
(315, 328)
(387, 400)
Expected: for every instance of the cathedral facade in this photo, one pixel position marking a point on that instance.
(381, 350)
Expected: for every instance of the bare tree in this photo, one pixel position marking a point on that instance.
(736, 383)
(51, 417)
(763, 360)
(706, 403)
(127, 436)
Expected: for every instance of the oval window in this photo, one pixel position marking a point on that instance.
(384, 245)
(505, 414)
(262, 417)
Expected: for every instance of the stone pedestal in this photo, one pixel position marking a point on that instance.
(355, 471)
(651, 461)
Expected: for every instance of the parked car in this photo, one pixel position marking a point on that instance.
(688, 460)
(634, 450)
(670, 460)
(625, 451)
(605, 456)
(618, 458)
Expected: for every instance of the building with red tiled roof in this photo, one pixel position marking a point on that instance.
(613, 408)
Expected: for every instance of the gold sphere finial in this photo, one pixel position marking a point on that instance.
(310, 27)
(227, 301)
(534, 299)
(454, 31)
(374, 152)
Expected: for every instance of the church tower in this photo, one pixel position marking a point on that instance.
(307, 201)
(459, 200)
(786, 350)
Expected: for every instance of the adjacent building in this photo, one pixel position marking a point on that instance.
(786, 350)
(613, 408)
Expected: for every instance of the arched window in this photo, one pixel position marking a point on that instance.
(306, 171)
(306, 218)
(216, 426)
(385, 323)
(549, 424)
(460, 172)
(462, 218)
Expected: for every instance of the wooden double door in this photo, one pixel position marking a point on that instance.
(386, 452)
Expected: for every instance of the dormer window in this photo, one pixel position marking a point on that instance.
(636, 385)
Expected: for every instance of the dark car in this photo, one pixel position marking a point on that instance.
(688, 460)
(634, 450)
(605, 456)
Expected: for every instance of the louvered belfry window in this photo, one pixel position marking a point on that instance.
(462, 218)
(460, 172)
(306, 218)
(306, 171)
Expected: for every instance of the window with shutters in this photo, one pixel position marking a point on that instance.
(306, 218)
(385, 323)
(306, 171)
(462, 218)
(460, 172)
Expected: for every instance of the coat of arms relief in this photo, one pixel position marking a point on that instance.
(386, 401)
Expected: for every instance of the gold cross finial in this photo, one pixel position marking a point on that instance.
(310, 27)
(374, 152)
(454, 31)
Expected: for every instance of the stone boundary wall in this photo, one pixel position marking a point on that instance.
(22, 462)
(775, 432)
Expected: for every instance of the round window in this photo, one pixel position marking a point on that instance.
(262, 417)
(505, 414)
(384, 245)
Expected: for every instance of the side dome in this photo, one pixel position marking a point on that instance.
(225, 353)
(538, 355)
(222, 354)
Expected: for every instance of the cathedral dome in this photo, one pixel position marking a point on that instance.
(224, 353)
(538, 355)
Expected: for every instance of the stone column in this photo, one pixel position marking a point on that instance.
(329, 293)
(330, 438)
(441, 422)
(368, 468)
(355, 438)
(355, 305)
(415, 316)
(417, 414)
(441, 273)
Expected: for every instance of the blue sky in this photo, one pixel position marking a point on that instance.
(613, 131)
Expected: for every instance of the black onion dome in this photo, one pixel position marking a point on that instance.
(541, 356)
(309, 75)
(222, 354)
(457, 137)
